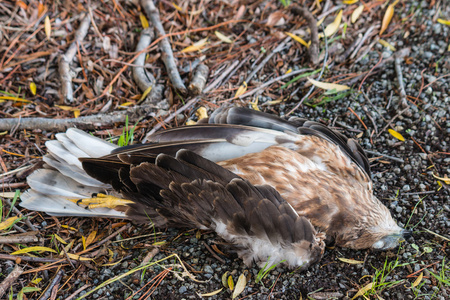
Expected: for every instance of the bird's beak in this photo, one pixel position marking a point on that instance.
(392, 241)
(406, 234)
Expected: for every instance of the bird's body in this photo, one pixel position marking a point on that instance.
(324, 177)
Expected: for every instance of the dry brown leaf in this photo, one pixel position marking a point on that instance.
(274, 19)
(387, 17)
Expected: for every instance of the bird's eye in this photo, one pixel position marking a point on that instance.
(378, 245)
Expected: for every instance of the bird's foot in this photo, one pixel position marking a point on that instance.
(101, 200)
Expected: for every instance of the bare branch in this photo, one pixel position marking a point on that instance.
(165, 48)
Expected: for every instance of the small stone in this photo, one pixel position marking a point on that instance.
(182, 290)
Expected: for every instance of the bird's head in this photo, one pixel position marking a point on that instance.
(376, 230)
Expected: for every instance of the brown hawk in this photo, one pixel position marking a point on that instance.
(274, 188)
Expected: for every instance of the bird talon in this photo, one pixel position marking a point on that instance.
(99, 200)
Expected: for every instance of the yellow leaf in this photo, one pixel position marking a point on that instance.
(8, 222)
(146, 92)
(32, 249)
(77, 257)
(76, 113)
(127, 104)
(83, 240)
(356, 13)
(224, 279)
(212, 293)
(190, 122)
(350, 261)
(201, 113)
(445, 22)
(230, 283)
(36, 280)
(387, 17)
(444, 179)
(288, 71)
(397, 135)
(386, 44)
(70, 228)
(242, 89)
(350, 1)
(418, 280)
(177, 7)
(90, 239)
(33, 88)
(363, 290)
(255, 104)
(320, 21)
(47, 27)
(196, 46)
(15, 99)
(60, 239)
(240, 286)
(223, 38)
(7, 194)
(144, 21)
(333, 27)
(298, 39)
(328, 86)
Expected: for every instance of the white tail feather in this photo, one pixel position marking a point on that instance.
(58, 206)
(63, 177)
(93, 146)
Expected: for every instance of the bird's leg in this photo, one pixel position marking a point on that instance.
(102, 200)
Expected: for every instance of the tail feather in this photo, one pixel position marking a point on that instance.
(93, 146)
(51, 182)
(63, 177)
(54, 205)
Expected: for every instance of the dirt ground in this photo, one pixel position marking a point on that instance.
(397, 106)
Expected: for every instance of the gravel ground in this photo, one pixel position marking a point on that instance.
(405, 184)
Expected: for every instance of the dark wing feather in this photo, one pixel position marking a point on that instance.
(190, 191)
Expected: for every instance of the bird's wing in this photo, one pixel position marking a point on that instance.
(191, 191)
(216, 142)
(249, 117)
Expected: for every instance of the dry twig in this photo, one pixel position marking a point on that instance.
(19, 238)
(313, 49)
(86, 122)
(8, 281)
(143, 79)
(398, 69)
(166, 49)
(55, 281)
(199, 79)
(66, 59)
